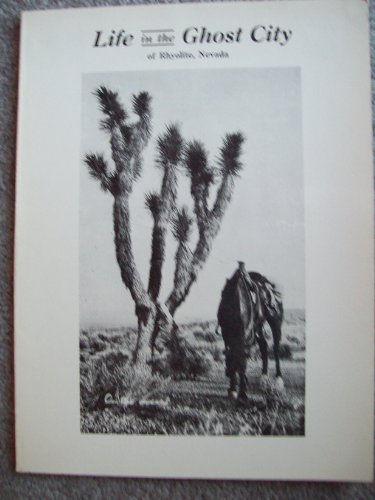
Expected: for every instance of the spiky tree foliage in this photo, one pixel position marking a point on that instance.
(201, 177)
(182, 224)
(153, 203)
(98, 169)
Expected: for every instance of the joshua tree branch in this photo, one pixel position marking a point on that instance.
(181, 229)
(161, 206)
(201, 178)
(153, 203)
(98, 169)
(124, 254)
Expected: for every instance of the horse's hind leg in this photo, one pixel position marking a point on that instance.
(276, 333)
(263, 347)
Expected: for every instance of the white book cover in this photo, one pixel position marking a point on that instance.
(194, 242)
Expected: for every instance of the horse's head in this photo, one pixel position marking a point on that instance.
(245, 300)
(236, 310)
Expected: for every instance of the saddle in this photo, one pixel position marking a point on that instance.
(254, 298)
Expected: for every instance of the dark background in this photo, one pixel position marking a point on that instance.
(24, 486)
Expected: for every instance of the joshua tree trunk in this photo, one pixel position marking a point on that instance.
(142, 354)
(144, 307)
(124, 254)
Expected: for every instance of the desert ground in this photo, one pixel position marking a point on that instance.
(187, 394)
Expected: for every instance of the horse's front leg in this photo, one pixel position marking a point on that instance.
(276, 333)
(263, 347)
(231, 371)
(232, 391)
(242, 396)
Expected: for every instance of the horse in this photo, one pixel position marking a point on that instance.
(248, 302)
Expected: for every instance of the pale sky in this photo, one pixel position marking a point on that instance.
(264, 224)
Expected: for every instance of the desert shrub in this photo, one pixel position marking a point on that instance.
(199, 335)
(185, 360)
(99, 375)
(104, 338)
(293, 339)
(285, 352)
(83, 342)
(110, 339)
(210, 336)
(217, 353)
(160, 364)
(210, 424)
(117, 339)
(84, 356)
(190, 421)
(110, 375)
(182, 360)
(187, 364)
(139, 385)
(273, 397)
(114, 357)
(205, 335)
(97, 345)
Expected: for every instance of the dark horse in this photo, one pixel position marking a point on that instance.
(248, 302)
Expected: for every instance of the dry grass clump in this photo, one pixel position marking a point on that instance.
(110, 378)
(182, 360)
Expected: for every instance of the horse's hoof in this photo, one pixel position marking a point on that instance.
(242, 400)
(279, 384)
(108, 399)
(232, 395)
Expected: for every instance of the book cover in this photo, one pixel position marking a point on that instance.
(194, 242)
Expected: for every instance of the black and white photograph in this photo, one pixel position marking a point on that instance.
(192, 281)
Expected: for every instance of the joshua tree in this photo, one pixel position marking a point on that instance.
(128, 140)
